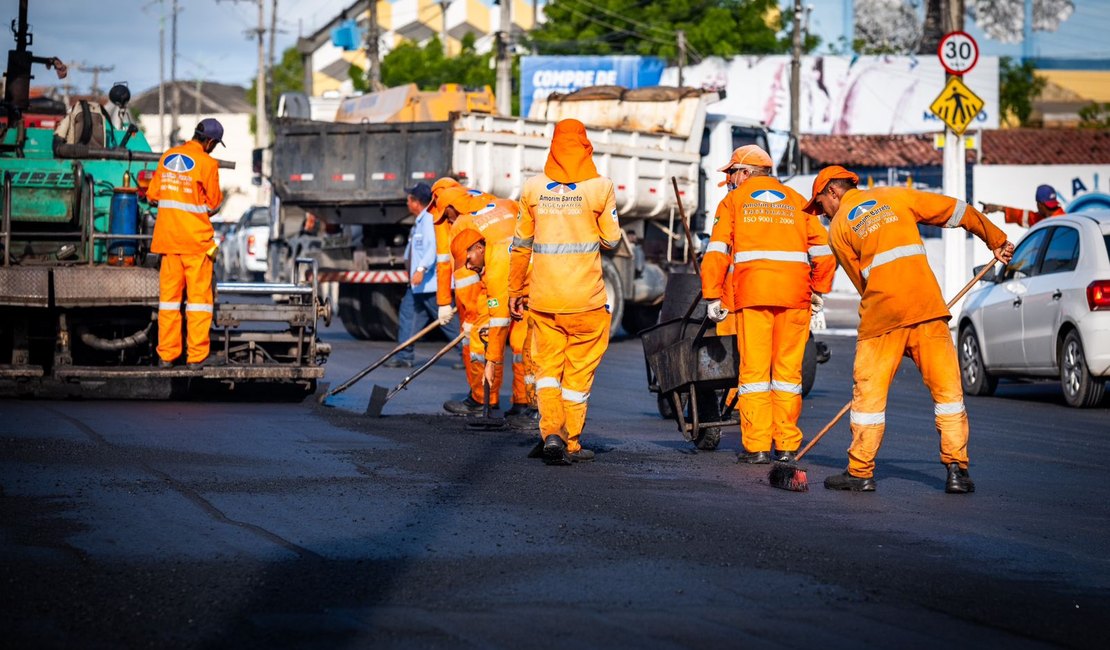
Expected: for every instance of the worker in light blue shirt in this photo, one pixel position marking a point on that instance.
(419, 307)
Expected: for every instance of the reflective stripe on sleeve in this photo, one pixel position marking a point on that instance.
(950, 408)
(774, 256)
(523, 243)
(198, 307)
(891, 255)
(757, 387)
(566, 249)
(474, 356)
(467, 281)
(717, 247)
(445, 257)
(184, 207)
(169, 306)
(957, 215)
(500, 322)
(529, 380)
(868, 418)
(784, 387)
(611, 243)
(575, 396)
(547, 382)
(817, 251)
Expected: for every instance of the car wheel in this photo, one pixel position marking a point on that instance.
(973, 372)
(1081, 389)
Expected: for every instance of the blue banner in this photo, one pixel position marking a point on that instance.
(542, 75)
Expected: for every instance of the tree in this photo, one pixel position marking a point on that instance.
(288, 77)
(886, 27)
(1095, 115)
(1003, 20)
(427, 67)
(1018, 86)
(712, 27)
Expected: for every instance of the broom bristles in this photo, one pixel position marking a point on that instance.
(788, 477)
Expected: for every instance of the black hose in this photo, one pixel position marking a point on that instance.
(138, 338)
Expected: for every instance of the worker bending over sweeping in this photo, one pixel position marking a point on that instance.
(875, 238)
(779, 256)
(567, 214)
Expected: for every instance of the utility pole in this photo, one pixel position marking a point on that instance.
(95, 71)
(270, 58)
(373, 55)
(955, 180)
(176, 100)
(1027, 32)
(504, 60)
(795, 88)
(262, 128)
(681, 54)
(443, 5)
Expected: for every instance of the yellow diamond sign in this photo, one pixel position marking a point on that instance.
(956, 105)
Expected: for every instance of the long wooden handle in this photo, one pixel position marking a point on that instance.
(427, 364)
(847, 406)
(685, 226)
(367, 370)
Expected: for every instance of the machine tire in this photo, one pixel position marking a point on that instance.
(1081, 389)
(640, 317)
(380, 314)
(708, 438)
(350, 310)
(973, 372)
(614, 293)
(809, 366)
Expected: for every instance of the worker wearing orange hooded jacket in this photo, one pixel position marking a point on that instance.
(567, 214)
(779, 256)
(495, 220)
(186, 186)
(874, 236)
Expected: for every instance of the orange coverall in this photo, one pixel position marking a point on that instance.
(186, 186)
(875, 238)
(778, 255)
(566, 215)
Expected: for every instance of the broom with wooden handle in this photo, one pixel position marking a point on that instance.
(788, 475)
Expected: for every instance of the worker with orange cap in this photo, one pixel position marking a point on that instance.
(1048, 205)
(779, 256)
(874, 235)
(495, 220)
(567, 214)
(186, 187)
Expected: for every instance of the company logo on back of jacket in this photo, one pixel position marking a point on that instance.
(180, 163)
(861, 209)
(561, 188)
(768, 196)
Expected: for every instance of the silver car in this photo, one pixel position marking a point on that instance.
(1046, 314)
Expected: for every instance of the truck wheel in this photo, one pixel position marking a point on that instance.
(380, 316)
(350, 310)
(640, 317)
(809, 366)
(614, 293)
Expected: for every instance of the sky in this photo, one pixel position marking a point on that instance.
(213, 42)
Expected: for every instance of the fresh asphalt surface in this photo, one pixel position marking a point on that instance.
(186, 524)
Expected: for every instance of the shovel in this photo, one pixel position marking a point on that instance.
(486, 422)
(368, 369)
(380, 394)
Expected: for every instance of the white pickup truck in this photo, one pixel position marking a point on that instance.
(354, 174)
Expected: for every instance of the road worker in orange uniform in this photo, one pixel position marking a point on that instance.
(495, 220)
(1047, 206)
(186, 186)
(566, 215)
(779, 256)
(875, 238)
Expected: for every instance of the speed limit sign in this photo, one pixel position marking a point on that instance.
(958, 52)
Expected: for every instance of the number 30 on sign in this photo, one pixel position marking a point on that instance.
(958, 52)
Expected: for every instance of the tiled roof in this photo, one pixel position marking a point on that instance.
(1000, 147)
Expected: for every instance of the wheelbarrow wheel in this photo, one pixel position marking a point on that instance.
(708, 438)
(665, 405)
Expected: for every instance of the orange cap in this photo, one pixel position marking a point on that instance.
(749, 154)
(437, 187)
(460, 198)
(462, 242)
(827, 174)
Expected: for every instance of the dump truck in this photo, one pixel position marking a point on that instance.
(347, 177)
(79, 287)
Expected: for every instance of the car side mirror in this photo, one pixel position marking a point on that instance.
(991, 276)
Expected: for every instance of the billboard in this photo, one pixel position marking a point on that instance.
(542, 75)
(841, 95)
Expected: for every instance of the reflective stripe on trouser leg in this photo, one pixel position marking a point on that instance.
(518, 333)
(587, 340)
(466, 300)
(876, 363)
(550, 351)
(754, 327)
(198, 305)
(931, 348)
(171, 286)
(789, 347)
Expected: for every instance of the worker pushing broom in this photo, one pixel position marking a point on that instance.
(875, 238)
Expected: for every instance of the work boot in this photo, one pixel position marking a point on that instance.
(398, 363)
(529, 420)
(786, 456)
(516, 409)
(210, 362)
(466, 406)
(555, 451)
(581, 456)
(165, 365)
(958, 480)
(846, 481)
(754, 457)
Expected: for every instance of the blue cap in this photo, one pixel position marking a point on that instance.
(1047, 195)
(421, 192)
(212, 129)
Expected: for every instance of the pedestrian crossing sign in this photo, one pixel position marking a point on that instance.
(956, 105)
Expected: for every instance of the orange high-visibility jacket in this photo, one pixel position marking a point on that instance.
(1027, 218)
(779, 254)
(186, 186)
(560, 230)
(496, 222)
(444, 267)
(495, 294)
(875, 238)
